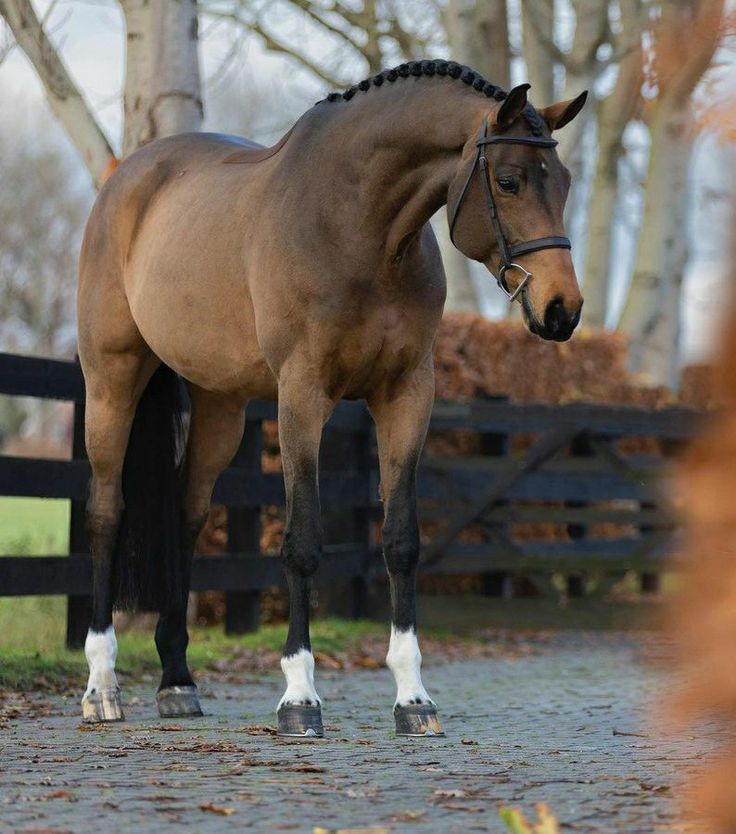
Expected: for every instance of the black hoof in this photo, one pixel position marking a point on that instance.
(178, 702)
(300, 721)
(417, 720)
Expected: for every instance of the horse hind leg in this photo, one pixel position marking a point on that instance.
(401, 425)
(215, 431)
(111, 398)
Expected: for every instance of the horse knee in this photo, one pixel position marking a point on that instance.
(300, 556)
(401, 548)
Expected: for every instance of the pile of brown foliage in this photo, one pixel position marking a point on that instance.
(476, 357)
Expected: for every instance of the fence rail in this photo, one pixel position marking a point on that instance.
(568, 473)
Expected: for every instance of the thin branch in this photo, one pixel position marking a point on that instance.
(63, 94)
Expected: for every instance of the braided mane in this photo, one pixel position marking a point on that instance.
(444, 69)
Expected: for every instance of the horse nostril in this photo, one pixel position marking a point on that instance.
(555, 318)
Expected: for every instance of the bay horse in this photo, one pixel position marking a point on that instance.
(306, 272)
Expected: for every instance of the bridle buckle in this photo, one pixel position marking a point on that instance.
(501, 280)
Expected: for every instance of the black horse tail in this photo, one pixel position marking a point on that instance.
(148, 564)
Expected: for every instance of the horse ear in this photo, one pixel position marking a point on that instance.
(558, 115)
(512, 106)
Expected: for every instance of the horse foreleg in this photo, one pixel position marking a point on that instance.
(303, 411)
(401, 426)
(215, 431)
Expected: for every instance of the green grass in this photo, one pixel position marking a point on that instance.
(27, 668)
(33, 527)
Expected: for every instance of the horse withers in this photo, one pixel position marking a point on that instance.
(306, 272)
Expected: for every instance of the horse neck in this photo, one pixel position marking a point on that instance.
(385, 159)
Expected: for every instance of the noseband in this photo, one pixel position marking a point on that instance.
(508, 253)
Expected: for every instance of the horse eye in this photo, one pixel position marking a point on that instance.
(508, 184)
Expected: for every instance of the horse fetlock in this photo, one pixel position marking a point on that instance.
(405, 661)
(298, 670)
(101, 651)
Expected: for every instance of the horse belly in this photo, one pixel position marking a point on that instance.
(201, 324)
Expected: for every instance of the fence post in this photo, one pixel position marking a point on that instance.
(78, 608)
(496, 444)
(243, 608)
(580, 447)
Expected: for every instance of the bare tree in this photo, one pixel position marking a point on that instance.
(684, 38)
(64, 97)
(162, 85)
(538, 33)
(615, 111)
(343, 35)
(163, 92)
(41, 219)
(478, 35)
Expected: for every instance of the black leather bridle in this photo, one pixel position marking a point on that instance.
(508, 253)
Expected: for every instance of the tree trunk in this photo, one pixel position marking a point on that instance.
(162, 83)
(538, 27)
(614, 114)
(685, 38)
(581, 71)
(651, 316)
(478, 34)
(461, 292)
(62, 93)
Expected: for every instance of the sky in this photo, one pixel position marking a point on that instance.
(91, 36)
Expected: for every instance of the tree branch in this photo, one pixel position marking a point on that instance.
(64, 97)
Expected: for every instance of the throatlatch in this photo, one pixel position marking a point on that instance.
(508, 253)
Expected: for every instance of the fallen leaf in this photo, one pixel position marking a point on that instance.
(328, 660)
(260, 730)
(305, 767)
(60, 794)
(468, 741)
(408, 816)
(367, 662)
(217, 809)
(517, 823)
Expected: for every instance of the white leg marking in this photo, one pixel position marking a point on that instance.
(101, 650)
(405, 660)
(299, 671)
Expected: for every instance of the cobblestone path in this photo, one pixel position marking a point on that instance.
(570, 725)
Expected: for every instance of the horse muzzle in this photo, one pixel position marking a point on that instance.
(558, 324)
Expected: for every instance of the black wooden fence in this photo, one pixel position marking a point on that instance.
(530, 464)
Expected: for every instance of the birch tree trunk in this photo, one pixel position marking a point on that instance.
(581, 70)
(651, 313)
(478, 36)
(538, 34)
(614, 113)
(163, 92)
(686, 37)
(64, 97)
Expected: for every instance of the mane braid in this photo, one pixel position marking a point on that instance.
(452, 70)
